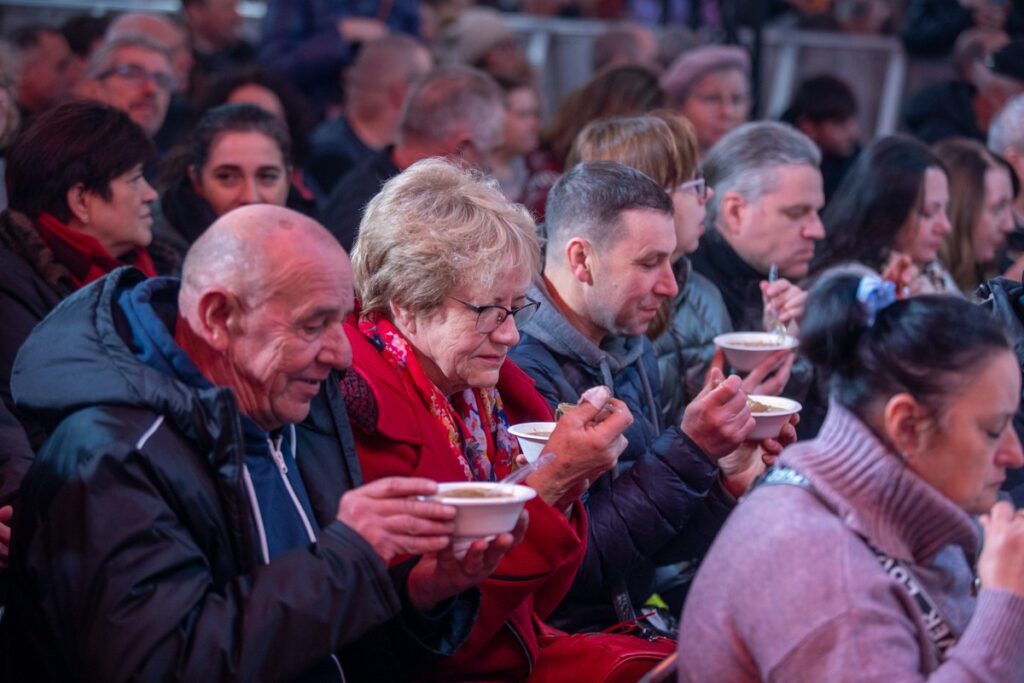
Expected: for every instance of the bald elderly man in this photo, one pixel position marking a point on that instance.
(177, 526)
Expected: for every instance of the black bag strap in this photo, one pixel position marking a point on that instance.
(939, 631)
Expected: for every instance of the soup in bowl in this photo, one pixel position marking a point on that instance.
(744, 350)
(483, 509)
(533, 436)
(770, 414)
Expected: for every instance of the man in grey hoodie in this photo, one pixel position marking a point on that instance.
(607, 270)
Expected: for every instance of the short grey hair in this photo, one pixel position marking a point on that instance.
(1007, 129)
(745, 160)
(434, 227)
(103, 57)
(589, 199)
(454, 100)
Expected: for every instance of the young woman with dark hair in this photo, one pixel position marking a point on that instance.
(890, 213)
(238, 154)
(78, 208)
(866, 536)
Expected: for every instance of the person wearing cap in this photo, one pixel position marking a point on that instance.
(965, 107)
(481, 38)
(710, 86)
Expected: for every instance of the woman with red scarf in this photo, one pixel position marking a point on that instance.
(441, 267)
(78, 207)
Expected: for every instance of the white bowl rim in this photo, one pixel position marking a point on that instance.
(522, 494)
(792, 406)
(725, 340)
(521, 431)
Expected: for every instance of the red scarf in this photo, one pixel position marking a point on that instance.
(473, 420)
(83, 255)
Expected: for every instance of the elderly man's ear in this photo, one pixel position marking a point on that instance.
(730, 217)
(219, 317)
(580, 256)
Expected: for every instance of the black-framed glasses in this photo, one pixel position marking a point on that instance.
(489, 318)
(698, 185)
(133, 73)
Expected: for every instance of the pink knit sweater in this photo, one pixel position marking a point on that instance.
(789, 593)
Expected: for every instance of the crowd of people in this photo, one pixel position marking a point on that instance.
(258, 302)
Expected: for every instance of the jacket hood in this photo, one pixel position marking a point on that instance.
(552, 329)
(81, 355)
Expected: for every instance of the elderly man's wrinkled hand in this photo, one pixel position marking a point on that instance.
(587, 442)
(718, 418)
(438, 576)
(389, 515)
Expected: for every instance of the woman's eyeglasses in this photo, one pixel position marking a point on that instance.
(489, 318)
(699, 187)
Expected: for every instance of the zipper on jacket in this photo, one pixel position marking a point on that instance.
(282, 468)
(522, 644)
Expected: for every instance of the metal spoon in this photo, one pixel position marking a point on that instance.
(774, 324)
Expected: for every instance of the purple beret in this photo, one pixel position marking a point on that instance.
(693, 64)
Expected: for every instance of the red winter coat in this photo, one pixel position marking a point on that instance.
(396, 435)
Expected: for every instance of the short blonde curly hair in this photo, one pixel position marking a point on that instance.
(433, 228)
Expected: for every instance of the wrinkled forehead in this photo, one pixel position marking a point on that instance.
(314, 273)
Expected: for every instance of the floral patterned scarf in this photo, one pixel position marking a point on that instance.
(474, 420)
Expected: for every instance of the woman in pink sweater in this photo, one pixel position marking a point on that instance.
(856, 560)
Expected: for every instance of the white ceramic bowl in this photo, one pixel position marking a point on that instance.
(768, 424)
(532, 437)
(485, 516)
(744, 350)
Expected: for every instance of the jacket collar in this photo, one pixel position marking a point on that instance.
(877, 495)
(737, 280)
(553, 330)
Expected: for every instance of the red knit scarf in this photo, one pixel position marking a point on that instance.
(473, 420)
(83, 255)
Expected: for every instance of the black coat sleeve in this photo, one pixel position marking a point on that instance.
(119, 557)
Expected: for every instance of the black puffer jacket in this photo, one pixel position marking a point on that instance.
(661, 506)
(136, 555)
(32, 283)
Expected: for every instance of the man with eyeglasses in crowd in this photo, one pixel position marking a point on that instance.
(607, 270)
(132, 74)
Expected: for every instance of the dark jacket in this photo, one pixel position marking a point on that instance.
(32, 283)
(687, 345)
(931, 27)
(344, 209)
(301, 40)
(336, 150)
(942, 111)
(661, 505)
(1005, 299)
(136, 553)
(16, 455)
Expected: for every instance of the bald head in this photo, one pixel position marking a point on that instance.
(264, 295)
(253, 252)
